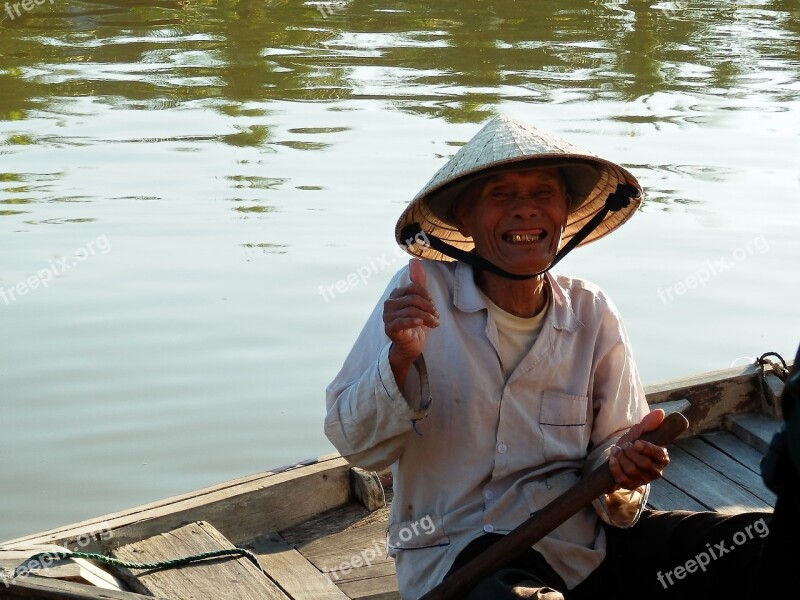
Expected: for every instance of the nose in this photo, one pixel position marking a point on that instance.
(526, 206)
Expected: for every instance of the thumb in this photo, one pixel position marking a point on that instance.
(652, 420)
(416, 271)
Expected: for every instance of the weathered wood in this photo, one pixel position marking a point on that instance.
(266, 502)
(731, 445)
(339, 520)
(771, 397)
(381, 569)
(712, 395)
(727, 466)
(348, 544)
(292, 571)
(338, 553)
(367, 488)
(46, 589)
(671, 406)
(665, 496)
(378, 588)
(310, 504)
(78, 570)
(753, 428)
(226, 578)
(707, 486)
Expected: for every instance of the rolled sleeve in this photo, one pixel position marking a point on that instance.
(621, 508)
(368, 417)
(619, 403)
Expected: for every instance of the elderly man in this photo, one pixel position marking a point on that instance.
(490, 384)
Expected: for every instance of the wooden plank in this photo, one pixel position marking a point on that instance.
(771, 396)
(378, 588)
(712, 395)
(665, 496)
(337, 520)
(349, 545)
(735, 448)
(671, 406)
(367, 488)
(341, 552)
(707, 486)
(45, 589)
(754, 429)
(239, 509)
(381, 569)
(233, 578)
(73, 569)
(292, 571)
(728, 467)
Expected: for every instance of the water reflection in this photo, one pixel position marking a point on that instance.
(240, 154)
(449, 59)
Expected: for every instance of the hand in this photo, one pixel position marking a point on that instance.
(407, 315)
(634, 462)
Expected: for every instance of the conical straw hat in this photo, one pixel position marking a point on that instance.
(505, 144)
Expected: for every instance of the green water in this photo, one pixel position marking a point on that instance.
(179, 180)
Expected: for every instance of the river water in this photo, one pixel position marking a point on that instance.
(183, 184)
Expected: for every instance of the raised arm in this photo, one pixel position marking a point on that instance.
(382, 387)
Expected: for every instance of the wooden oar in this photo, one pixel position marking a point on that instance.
(542, 522)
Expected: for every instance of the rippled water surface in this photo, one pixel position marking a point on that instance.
(182, 181)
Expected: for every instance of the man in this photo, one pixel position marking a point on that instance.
(490, 385)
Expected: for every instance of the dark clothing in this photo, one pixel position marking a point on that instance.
(666, 555)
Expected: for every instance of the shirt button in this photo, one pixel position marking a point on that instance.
(488, 494)
(488, 528)
(501, 448)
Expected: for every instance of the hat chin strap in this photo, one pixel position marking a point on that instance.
(616, 200)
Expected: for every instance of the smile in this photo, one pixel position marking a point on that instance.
(533, 236)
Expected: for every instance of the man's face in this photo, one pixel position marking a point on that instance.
(516, 219)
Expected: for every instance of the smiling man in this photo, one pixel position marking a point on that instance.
(490, 385)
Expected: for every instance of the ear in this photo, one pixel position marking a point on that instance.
(569, 210)
(460, 210)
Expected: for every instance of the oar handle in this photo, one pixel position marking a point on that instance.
(542, 522)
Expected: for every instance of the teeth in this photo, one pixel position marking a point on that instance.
(525, 237)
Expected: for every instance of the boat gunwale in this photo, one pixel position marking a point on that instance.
(331, 467)
(711, 394)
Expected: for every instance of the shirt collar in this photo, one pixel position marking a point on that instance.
(467, 298)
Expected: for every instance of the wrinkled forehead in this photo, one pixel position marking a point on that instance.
(525, 177)
(528, 175)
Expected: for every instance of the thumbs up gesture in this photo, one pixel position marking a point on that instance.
(407, 315)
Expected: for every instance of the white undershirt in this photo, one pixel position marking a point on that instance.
(516, 335)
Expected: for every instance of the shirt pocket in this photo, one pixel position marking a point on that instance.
(562, 422)
(426, 532)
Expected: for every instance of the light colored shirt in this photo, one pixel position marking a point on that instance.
(472, 451)
(515, 335)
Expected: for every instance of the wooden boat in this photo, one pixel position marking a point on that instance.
(317, 528)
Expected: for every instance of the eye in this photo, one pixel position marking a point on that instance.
(500, 194)
(544, 193)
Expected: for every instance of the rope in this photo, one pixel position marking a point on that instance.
(779, 370)
(45, 558)
(763, 360)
